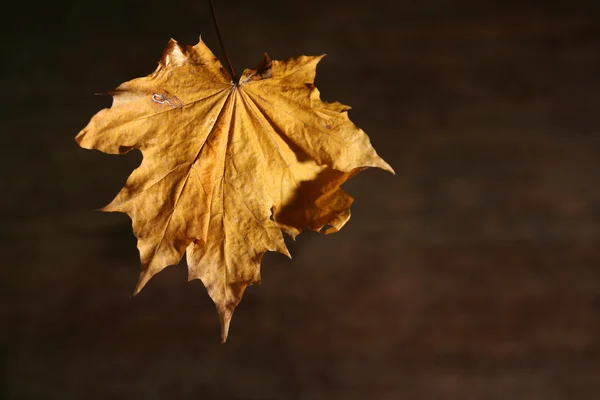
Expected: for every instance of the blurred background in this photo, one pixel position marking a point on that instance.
(474, 273)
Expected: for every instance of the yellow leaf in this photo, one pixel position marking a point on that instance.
(227, 166)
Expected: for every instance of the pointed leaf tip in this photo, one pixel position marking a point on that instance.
(387, 167)
(145, 276)
(225, 315)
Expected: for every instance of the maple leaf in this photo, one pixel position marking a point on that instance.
(227, 166)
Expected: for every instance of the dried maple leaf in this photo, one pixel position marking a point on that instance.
(226, 166)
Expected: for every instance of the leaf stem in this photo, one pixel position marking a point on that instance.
(214, 15)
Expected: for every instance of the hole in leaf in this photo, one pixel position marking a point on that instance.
(272, 213)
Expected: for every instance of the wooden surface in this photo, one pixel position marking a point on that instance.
(474, 273)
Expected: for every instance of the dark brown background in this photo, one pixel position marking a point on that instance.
(472, 274)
